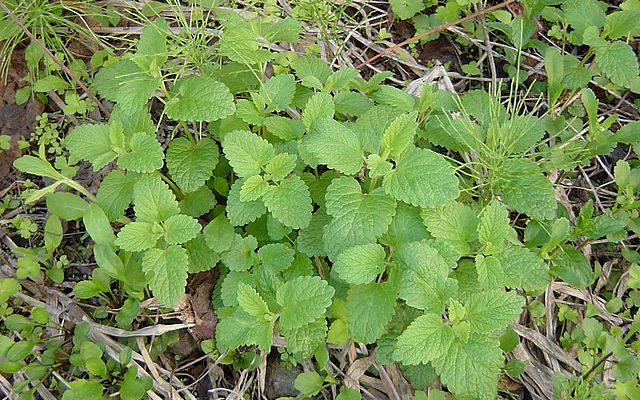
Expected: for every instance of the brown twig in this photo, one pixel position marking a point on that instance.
(437, 29)
(52, 57)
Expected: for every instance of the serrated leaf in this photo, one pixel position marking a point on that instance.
(289, 202)
(199, 98)
(219, 234)
(378, 166)
(153, 201)
(422, 178)
(280, 166)
(229, 289)
(454, 223)
(198, 202)
(127, 84)
(618, 62)
(493, 227)
(490, 272)
(152, 46)
(180, 229)
(581, 14)
(309, 239)
(527, 190)
(360, 264)
(572, 267)
(276, 256)
(335, 145)
(247, 152)
(284, 128)
(341, 79)
(146, 154)
(240, 255)
(115, 193)
(357, 218)
(303, 300)
(309, 66)
(320, 105)
(166, 273)
(138, 236)
(201, 258)
(369, 309)
(278, 92)
(251, 302)
(399, 134)
(253, 188)
(521, 268)
(240, 328)
(306, 339)
(406, 227)
(91, 142)
(426, 339)
(242, 212)
(191, 164)
(424, 281)
(493, 310)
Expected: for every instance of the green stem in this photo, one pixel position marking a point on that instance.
(172, 185)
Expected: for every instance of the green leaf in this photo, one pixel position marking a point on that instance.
(152, 46)
(619, 24)
(201, 258)
(405, 9)
(309, 239)
(357, 218)
(166, 273)
(66, 205)
(91, 142)
(284, 128)
(97, 225)
(180, 229)
(306, 339)
(303, 300)
(198, 203)
(240, 328)
(311, 67)
(49, 83)
(490, 272)
(138, 236)
(399, 134)
(146, 154)
(52, 233)
(454, 223)
(247, 152)
(290, 202)
(581, 14)
(37, 166)
(219, 234)
(116, 193)
(242, 212)
(424, 281)
(426, 339)
(520, 268)
(127, 84)
(251, 302)
(153, 201)
(491, 311)
(84, 389)
(335, 145)
(278, 92)
(240, 255)
(253, 188)
(422, 178)
(280, 166)
(320, 105)
(199, 98)
(406, 227)
(341, 79)
(572, 267)
(191, 164)
(276, 257)
(369, 309)
(527, 190)
(309, 383)
(360, 264)
(618, 62)
(493, 228)
(471, 369)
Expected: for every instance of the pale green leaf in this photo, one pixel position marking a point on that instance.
(369, 309)
(493, 310)
(426, 339)
(166, 273)
(303, 300)
(521, 268)
(180, 229)
(242, 212)
(153, 201)
(116, 193)
(399, 134)
(190, 164)
(146, 154)
(570, 265)
(280, 166)
(422, 178)
(406, 9)
(251, 302)
(91, 142)
(278, 92)
(493, 228)
(201, 257)
(247, 152)
(199, 98)
(219, 234)
(276, 256)
(618, 62)
(138, 236)
(290, 202)
(240, 255)
(527, 190)
(253, 188)
(335, 145)
(306, 339)
(198, 203)
(454, 223)
(360, 264)
(320, 105)
(240, 328)
(127, 84)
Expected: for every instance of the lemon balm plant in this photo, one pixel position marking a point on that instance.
(320, 198)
